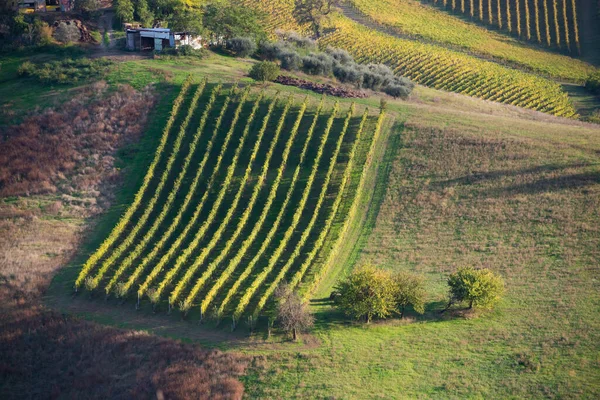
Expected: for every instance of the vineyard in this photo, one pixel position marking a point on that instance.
(420, 21)
(243, 192)
(553, 23)
(432, 65)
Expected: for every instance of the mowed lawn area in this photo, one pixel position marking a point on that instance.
(519, 197)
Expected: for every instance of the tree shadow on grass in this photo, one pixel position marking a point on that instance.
(327, 316)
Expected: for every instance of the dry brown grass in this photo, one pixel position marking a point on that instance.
(70, 150)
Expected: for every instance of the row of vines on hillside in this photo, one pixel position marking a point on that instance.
(227, 215)
(451, 71)
(549, 22)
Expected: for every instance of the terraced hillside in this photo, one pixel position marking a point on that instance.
(244, 190)
(432, 65)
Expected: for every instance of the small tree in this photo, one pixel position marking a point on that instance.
(312, 12)
(366, 293)
(264, 71)
(291, 313)
(478, 287)
(409, 291)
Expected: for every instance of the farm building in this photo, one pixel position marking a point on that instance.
(149, 39)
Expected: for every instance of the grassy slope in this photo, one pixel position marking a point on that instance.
(517, 196)
(485, 211)
(421, 21)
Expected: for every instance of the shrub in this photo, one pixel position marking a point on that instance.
(376, 76)
(317, 64)
(26, 69)
(264, 71)
(241, 46)
(67, 33)
(480, 288)
(300, 41)
(592, 83)
(271, 50)
(66, 71)
(340, 55)
(409, 291)
(397, 91)
(366, 293)
(290, 60)
(348, 74)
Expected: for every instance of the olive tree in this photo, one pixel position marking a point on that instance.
(366, 293)
(477, 287)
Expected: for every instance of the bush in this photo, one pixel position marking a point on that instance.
(376, 76)
(88, 8)
(290, 60)
(348, 74)
(409, 291)
(592, 83)
(271, 51)
(340, 55)
(317, 64)
(480, 288)
(66, 71)
(264, 71)
(188, 51)
(67, 33)
(299, 41)
(366, 293)
(26, 69)
(241, 46)
(397, 91)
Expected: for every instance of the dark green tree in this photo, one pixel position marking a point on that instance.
(124, 10)
(229, 20)
(143, 13)
(313, 13)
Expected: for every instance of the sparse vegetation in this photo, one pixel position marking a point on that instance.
(67, 71)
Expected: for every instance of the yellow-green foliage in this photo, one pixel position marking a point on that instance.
(213, 212)
(332, 258)
(265, 243)
(166, 206)
(477, 287)
(451, 71)
(192, 190)
(235, 261)
(124, 221)
(308, 230)
(288, 233)
(416, 19)
(241, 223)
(171, 252)
(366, 293)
